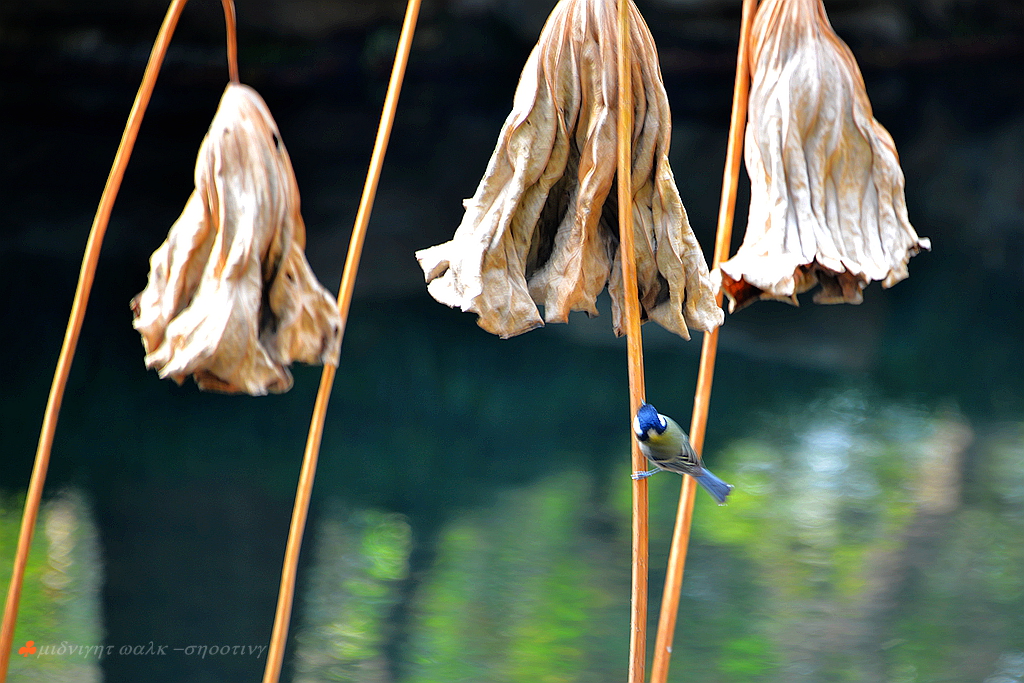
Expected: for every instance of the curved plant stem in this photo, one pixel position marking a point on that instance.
(705, 374)
(634, 349)
(74, 328)
(231, 39)
(286, 595)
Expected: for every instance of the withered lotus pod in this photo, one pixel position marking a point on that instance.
(231, 299)
(542, 227)
(827, 201)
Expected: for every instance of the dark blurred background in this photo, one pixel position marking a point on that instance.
(471, 516)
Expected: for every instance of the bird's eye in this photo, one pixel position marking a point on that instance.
(664, 424)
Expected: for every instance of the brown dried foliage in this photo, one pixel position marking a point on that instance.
(542, 226)
(827, 199)
(231, 299)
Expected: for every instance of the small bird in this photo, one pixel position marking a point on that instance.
(666, 445)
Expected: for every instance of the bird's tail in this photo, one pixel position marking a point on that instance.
(718, 489)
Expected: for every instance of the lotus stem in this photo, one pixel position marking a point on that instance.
(634, 349)
(231, 39)
(709, 348)
(67, 352)
(286, 595)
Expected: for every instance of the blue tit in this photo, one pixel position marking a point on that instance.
(666, 445)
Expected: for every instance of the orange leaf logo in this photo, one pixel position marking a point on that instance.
(29, 648)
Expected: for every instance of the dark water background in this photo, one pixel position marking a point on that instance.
(471, 514)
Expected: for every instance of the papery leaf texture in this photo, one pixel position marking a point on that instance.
(231, 299)
(542, 227)
(827, 192)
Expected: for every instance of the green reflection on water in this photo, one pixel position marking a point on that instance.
(514, 591)
(865, 542)
(59, 608)
(360, 557)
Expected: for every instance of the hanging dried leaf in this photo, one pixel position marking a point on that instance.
(827, 204)
(231, 299)
(542, 226)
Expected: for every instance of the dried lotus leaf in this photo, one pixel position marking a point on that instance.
(542, 226)
(231, 299)
(827, 192)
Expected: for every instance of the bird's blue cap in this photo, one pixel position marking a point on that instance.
(647, 418)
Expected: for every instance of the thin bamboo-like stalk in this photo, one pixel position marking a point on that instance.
(286, 595)
(86, 275)
(634, 349)
(231, 39)
(706, 371)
